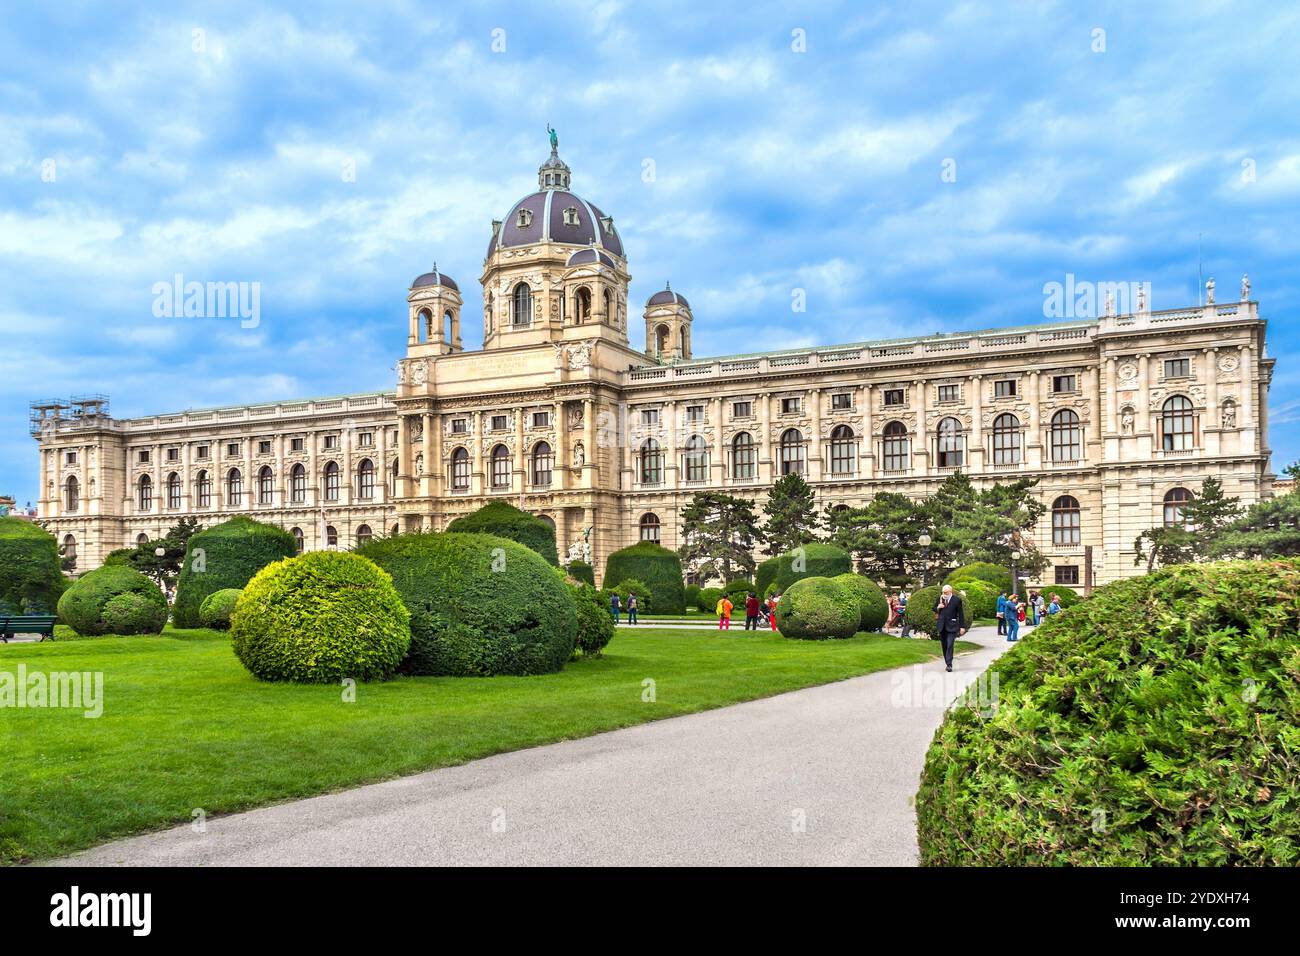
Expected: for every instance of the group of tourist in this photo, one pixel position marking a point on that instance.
(1012, 612)
(757, 611)
(615, 607)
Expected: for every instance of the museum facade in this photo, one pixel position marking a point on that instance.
(1120, 417)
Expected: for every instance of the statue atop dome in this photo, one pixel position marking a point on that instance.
(555, 140)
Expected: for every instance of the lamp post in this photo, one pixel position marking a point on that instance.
(1015, 584)
(159, 552)
(924, 542)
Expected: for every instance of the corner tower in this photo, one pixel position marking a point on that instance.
(668, 326)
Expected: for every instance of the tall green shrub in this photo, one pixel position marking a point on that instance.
(31, 578)
(226, 555)
(765, 574)
(1154, 724)
(506, 521)
(813, 560)
(595, 624)
(658, 567)
(114, 599)
(582, 571)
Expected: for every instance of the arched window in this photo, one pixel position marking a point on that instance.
(1177, 424)
(332, 481)
(1065, 521)
(844, 449)
(896, 453)
(144, 493)
(583, 299)
(364, 534)
(204, 488)
(72, 494)
(366, 479)
(1066, 436)
(543, 463)
(298, 541)
(426, 324)
(521, 304)
(609, 308)
(650, 527)
(652, 462)
(1006, 439)
(743, 456)
(392, 480)
(234, 488)
(298, 484)
(141, 538)
(69, 546)
(500, 467)
(793, 459)
(681, 340)
(1175, 499)
(951, 444)
(697, 458)
(331, 537)
(265, 485)
(174, 491)
(661, 340)
(460, 469)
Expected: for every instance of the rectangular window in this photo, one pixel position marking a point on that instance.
(1067, 574)
(144, 457)
(232, 449)
(842, 401)
(459, 426)
(366, 439)
(742, 409)
(1178, 368)
(297, 444)
(541, 419)
(649, 416)
(331, 442)
(70, 458)
(949, 393)
(264, 448)
(500, 423)
(173, 454)
(695, 413)
(1064, 383)
(1004, 388)
(791, 406)
(893, 396)
(203, 452)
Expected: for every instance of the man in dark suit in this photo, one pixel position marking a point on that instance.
(952, 623)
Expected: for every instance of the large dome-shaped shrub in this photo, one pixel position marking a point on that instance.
(989, 573)
(226, 555)
(816, 608)
(981, 596)
(813, 560)
(31, 578)
(506, 521)
(217, 608)
(872, 603)
(921, 615)
(1154, 724)
(658, 567)
(480, 605)
(319, 618)
(114, 599)
(595, 624)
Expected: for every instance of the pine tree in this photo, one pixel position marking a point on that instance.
(791, 515)
(718, 534)
(883, 536)
(1209, 513)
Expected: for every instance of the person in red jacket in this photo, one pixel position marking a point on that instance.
(771, 608)
(751, 612)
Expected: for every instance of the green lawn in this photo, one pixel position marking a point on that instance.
(185, 727)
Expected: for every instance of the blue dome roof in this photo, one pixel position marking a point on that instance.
(435, 278)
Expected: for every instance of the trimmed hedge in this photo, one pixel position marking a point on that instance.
(232, 552)
(980, 595)
(738, 590)
(994, 574)
(595, 626)
(765, 574)
(31, 575)
(114, 600)
(817, 608)
(658, 567)
(318, 618)
(506, 521)
(1069, 596)
(480, 605)
(921, 615)
(872, 603)
(217, 608)
(582, 571)
(1152, 725)
(813, 560)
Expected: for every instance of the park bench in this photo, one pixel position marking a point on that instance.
(11, 624)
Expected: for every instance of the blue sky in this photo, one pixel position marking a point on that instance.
(219, 154)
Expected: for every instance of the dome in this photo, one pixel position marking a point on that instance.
(435, 278)
(589, 255)
(667, 297)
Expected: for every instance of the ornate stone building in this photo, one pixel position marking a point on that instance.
(1120, 417)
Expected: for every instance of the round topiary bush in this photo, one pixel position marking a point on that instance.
(921, 615)
(1163, 708)
(226, 555)
(31, 576)
(480, 605)
(765, 574)
(645, 598)
(658, 567)
(980, 595)
(506, 521)
(595, 626)
(872, 603)
(814, 560)
(91, 605)
(994, 574)
(583, 572)
(1069, 597)
(738, 590)
(817, 608)
(217, 608)
(318, 618)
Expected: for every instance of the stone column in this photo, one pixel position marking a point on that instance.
(766, 469)
(1034, 447)
(1246, 413)
(590, 463)
(426, 449)
(560, 474)
(670, 454)
(158, 490)
(921, 446)
(1210, 428)
(718, 467)
(977, 457)
(867, 452)
(433, 465)
(815, 445)
(1092, 430)
(1144, 395)
(476, 453)
(187, 501)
